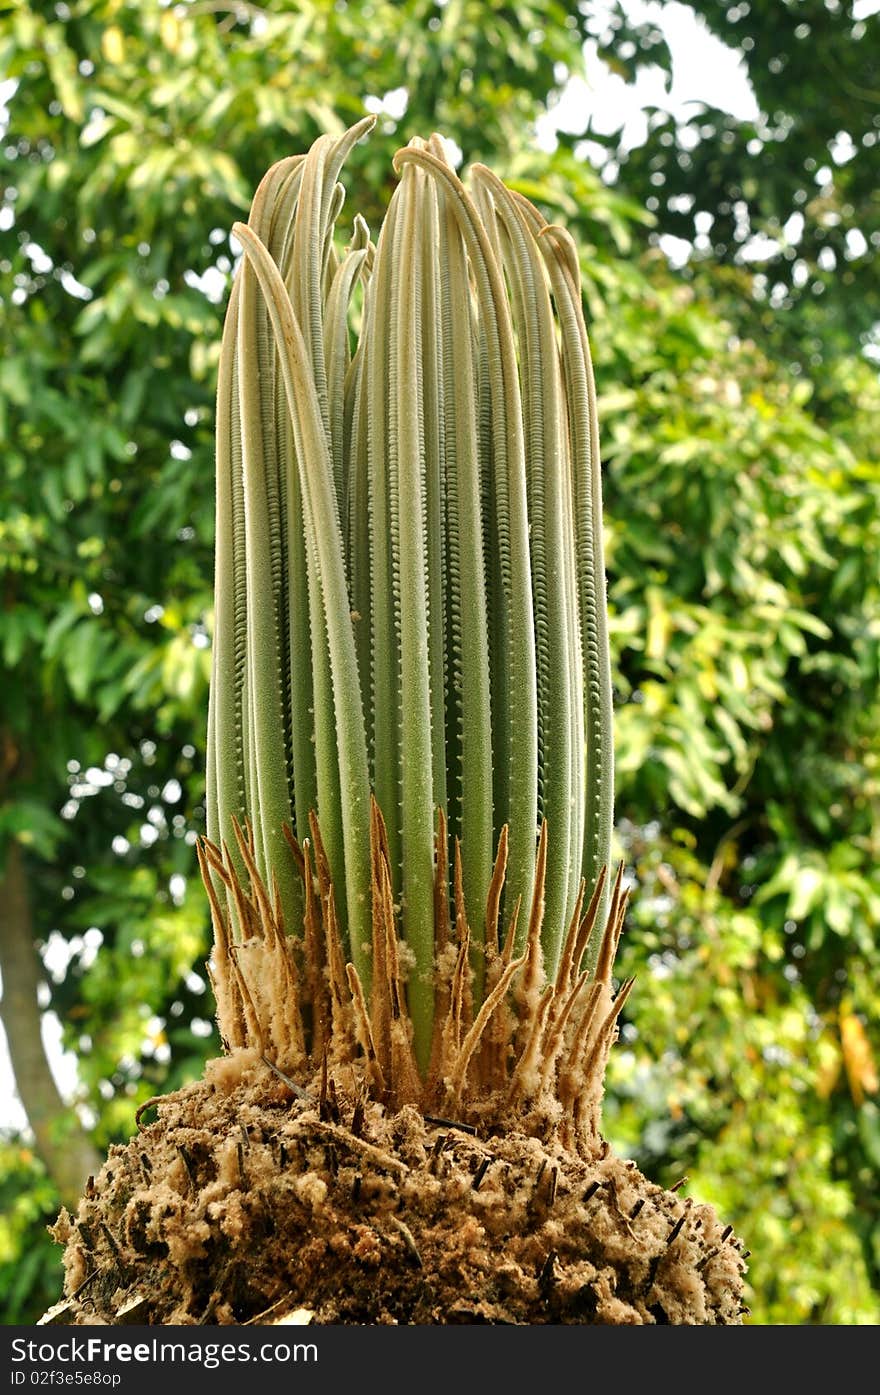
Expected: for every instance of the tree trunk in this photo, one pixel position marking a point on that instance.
(61, 1143)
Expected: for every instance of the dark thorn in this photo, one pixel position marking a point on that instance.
(591, 1191)
(282, 1154)
(356, 1187)
(449, 1124)
(652, 1274)
(245, 1136)
(146, 1165)
(540, 1174)
(239, 1149)
(332, 1158)
(86, 1235)
(90, 1186)
(726, 1234)
(117, 1253)
(551, 1186)
(676, 1185)
(637, 1208)
(698, 1222)
(701, 1264)
(291, 1084)
(480, 1173)
(357, 1118)
(327, 1103)
(439, 1144)
(408, 1240)
(746, 1253)
(676, 1229)
(187, 1163)
(745, 1312)
(546, 1277)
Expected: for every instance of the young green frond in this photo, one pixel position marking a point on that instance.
(410, 594)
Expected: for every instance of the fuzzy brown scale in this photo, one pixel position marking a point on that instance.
(314, 1168)
(383, 1225)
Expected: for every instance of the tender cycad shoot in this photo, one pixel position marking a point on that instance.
(410, 634)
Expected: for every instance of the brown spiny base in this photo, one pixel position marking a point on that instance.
(248, 1199)
(535, 1045)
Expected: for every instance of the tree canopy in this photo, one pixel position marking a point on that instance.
(742, 485)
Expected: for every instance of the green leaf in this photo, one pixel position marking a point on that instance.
(807, 886)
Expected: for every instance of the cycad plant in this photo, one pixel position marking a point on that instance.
(409, 800)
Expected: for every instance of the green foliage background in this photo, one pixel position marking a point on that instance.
(738, 416)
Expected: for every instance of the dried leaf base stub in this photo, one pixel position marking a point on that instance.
(315, 1167)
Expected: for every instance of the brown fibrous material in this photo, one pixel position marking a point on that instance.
(315, 1167)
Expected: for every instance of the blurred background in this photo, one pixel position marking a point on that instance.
(716, 164)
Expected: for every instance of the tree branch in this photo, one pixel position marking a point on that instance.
(61, 1143)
